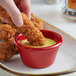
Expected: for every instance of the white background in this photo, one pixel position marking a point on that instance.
(53, 15)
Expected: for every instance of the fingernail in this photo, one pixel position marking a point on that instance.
(19, 23)
(29, 16)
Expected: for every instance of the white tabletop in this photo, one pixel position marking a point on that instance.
(52, 14)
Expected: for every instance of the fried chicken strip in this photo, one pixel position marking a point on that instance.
(7, 49)
(32, 33)
(38, 23)
(6, 31)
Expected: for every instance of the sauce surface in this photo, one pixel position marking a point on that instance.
(49, 42)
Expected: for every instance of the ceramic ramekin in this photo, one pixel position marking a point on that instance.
(39, 57)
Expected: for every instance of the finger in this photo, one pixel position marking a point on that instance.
(26, 7)
(19, 6)
(14, 12)
(17, 2)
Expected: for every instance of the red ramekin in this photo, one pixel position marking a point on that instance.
(39, 57)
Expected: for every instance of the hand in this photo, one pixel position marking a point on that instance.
(14, 7)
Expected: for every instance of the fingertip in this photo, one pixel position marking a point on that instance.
(19, 23)
(17, 19)
(15, 14)
(29, 16)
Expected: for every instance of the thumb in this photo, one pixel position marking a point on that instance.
(13, 11)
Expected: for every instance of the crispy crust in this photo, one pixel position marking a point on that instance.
(7, 49)
(6, 32)
(32, 33)
(38, 23)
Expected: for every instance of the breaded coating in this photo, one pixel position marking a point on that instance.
(33, 35)
(6, 31)
(7, 49)
(38, 23)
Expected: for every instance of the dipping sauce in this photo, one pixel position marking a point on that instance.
(49, 42)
